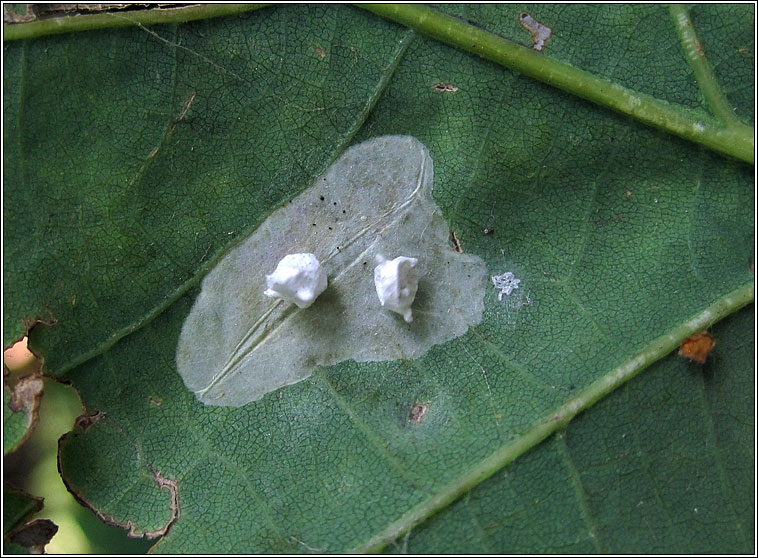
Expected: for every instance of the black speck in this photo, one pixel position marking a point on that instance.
(343, 211)
(335, 203)
(314, 224)
(364, 263)
(572, 387)
(330, 228)
(524, 15)
(321, 198)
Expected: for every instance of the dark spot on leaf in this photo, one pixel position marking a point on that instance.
(456, 242)
(417, 412)
(321, 198)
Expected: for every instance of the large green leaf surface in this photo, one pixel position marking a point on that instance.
(136, 158)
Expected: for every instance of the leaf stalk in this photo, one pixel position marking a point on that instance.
(88, 22)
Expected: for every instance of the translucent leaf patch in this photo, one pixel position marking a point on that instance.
(237, 344)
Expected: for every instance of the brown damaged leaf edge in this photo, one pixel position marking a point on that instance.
(84, 422)
(25, 397)
(34, 535)
(81, 425)
(29, 323)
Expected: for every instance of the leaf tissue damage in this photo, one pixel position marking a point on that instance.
(236, 345)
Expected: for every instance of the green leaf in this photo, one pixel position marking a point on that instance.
(616, 480)
(18, 506)
(137, 157)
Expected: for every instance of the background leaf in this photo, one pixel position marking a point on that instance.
(128, 175)
(21, 536)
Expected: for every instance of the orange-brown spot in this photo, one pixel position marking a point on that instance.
(697, 347)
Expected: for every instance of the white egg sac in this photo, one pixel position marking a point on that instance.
(297, 279)
(396, 284)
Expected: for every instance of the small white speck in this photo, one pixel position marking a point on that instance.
(506, 282)
(696, 510)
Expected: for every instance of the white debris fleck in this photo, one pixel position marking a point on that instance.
(506, 282)
(396, 284)
(298, 279)
(540, 33)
